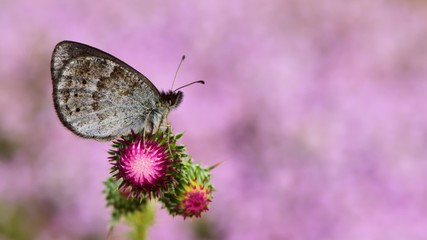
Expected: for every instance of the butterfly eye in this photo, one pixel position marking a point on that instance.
(171, 98)
(178, 99)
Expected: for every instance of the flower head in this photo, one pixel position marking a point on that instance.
(193, 194)
(146, 164)
(194, 200)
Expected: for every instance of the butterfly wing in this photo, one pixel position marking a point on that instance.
(97, 95)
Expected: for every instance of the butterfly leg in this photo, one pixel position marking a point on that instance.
(168, 128)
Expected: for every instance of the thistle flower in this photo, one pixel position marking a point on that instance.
(193, 194)
(194, 200)
(152, 164)
(147, 165)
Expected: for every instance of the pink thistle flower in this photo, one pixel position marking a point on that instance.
(145, 164)
(193, 194)
(194, 200)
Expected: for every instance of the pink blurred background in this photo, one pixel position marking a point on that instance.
(316, 108)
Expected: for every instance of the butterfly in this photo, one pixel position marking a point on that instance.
(99, 96)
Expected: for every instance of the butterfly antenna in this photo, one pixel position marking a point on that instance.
(176, 73)
(200, 81)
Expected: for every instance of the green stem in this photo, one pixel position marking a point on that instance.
(140, 221)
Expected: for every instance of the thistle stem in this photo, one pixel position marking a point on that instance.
(140, 222)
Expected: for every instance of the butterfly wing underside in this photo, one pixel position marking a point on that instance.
(97, 95)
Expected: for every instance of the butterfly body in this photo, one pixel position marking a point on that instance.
(98, 96)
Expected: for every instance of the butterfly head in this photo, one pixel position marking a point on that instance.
(172, 98)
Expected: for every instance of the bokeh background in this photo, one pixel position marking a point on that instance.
(317, 110)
